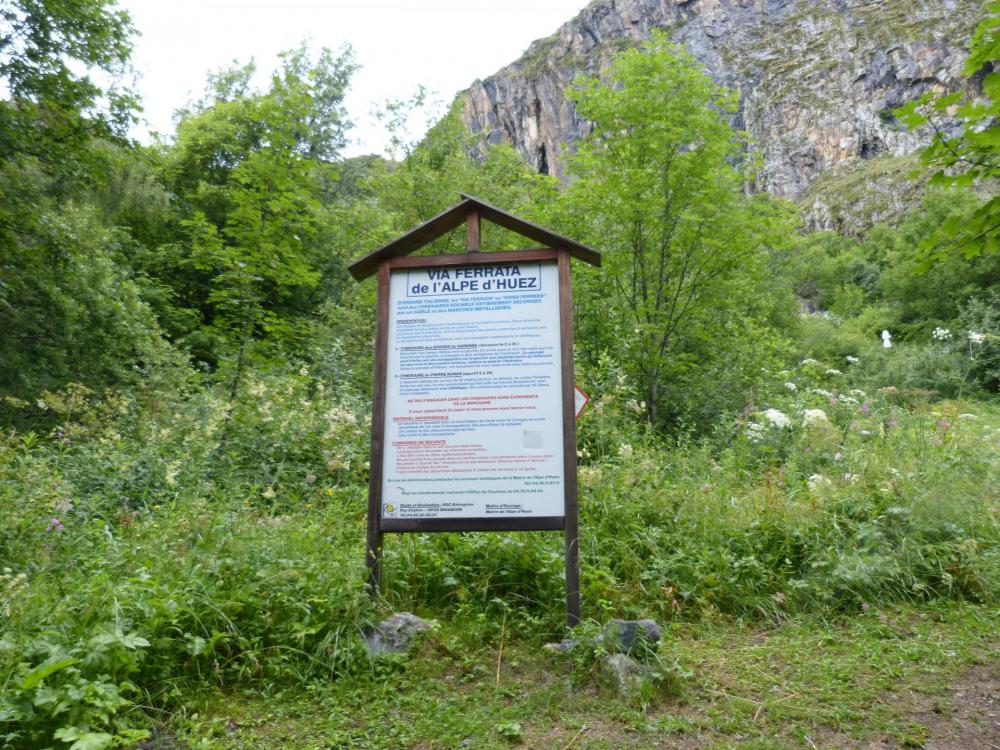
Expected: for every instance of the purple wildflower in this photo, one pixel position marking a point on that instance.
(55, 525)
(865, 408)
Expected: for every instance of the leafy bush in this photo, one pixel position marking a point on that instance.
(156, 546)
(980, 322)
(137, 568)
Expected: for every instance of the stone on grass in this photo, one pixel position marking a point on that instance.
(396, 634)
(627, 635)
(566, 644)
(625, 673)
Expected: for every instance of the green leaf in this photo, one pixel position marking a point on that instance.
(39, 674)
(133, 641)
(83, 740)
(991, 86)
(943, 102)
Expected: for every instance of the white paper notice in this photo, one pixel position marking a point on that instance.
(473, 409)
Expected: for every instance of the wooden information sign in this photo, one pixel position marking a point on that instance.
(474, 408)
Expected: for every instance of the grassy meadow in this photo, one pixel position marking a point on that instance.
(192, 574)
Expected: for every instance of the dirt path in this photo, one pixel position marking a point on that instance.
(964, 716)
(970, 718)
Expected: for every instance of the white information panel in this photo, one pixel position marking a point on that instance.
(473, 403)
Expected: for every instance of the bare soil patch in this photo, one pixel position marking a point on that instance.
(965, 715)
(971, 717)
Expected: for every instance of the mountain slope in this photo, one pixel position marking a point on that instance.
(818, 79)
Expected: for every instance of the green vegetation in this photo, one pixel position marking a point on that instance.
(185, 369)
(810, 681)
(856, 196)
(971, 158)
(142, 572)
(658, 169)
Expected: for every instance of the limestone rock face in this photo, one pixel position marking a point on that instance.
(817, 79)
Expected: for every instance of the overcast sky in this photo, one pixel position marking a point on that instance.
(441, 44)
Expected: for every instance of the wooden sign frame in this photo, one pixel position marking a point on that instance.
(396, 256)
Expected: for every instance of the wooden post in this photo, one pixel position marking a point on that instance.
(572, 527)
(373, 544)
(472, 233)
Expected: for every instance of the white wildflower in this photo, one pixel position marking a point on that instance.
(791, 386)
(848, 400)
(809, 361)
(821, 392)
(817, 482)
(941, 334)
(625, 450)
(886, 340)
(976, 338)
(635, 406)
(852, 360)
(833, 371)
(858, 392)
(755, 432)
(967, 416)
(269, 493)
(337, 462)
(172, 470)
(303, 371)
(814, 418)
(777, 418)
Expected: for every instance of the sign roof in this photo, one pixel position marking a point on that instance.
(458, 214)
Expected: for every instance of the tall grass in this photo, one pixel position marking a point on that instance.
(142, 555)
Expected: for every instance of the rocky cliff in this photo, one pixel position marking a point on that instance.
(817, 79)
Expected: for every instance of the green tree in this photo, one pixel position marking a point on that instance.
(660, 187)
(247, 171)
(51, 112)
(443, 164)
(965, 147)
(68, 309)
(51, 109)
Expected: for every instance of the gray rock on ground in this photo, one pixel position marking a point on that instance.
(395, 634)
(626, 635)
(566, 644)
(624, 673)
